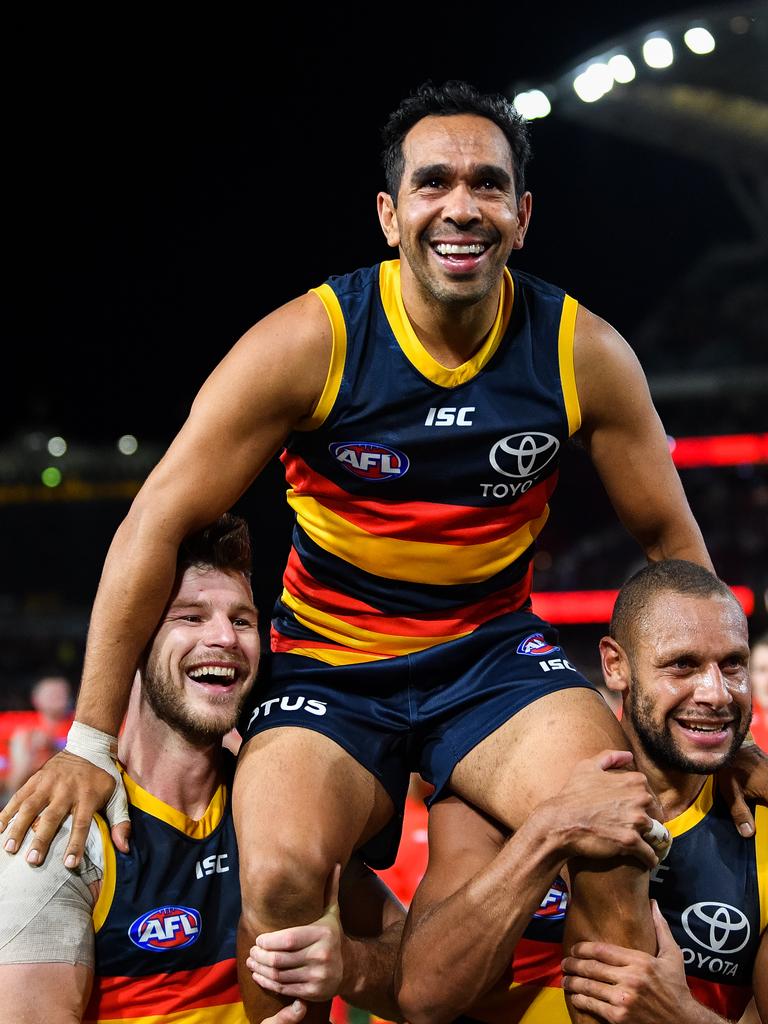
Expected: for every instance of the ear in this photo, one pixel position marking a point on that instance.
(524, 211)
(388, 219)
(615, 664)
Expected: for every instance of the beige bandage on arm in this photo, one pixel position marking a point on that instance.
(100, 749)
(46, 910)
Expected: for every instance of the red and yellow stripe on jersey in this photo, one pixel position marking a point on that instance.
(166, 918)
(419, 490)
(713, 892)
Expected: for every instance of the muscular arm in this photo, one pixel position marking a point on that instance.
(267, 384)
(760, 978)
(624, 437)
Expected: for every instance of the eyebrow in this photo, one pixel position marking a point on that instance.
(236, 609)
(422, 174)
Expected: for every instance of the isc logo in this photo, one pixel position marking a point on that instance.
(166, 928)
(370, 461)
(213, 865)
(447, 416)
(547, 666)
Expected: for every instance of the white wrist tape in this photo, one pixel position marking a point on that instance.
(658, 838)
(100, 749)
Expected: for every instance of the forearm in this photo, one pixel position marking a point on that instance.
(475, 930)
(135, 584)
(368, 981)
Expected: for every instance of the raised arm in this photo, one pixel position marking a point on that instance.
(268, 383)
(625, 439)
(480, 889)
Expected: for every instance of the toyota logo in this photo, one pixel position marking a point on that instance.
(718, 927)
(521, 455)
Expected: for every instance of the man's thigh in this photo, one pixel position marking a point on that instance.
(298, 789)
(531, 756)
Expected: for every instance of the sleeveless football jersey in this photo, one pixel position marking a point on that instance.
(713, 892)
(166, 918)
(418, 490)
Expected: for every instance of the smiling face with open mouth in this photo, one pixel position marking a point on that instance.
(203, 658)
(689, 698)
(457, 217)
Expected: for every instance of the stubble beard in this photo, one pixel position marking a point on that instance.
(167, 702)
(660, 745)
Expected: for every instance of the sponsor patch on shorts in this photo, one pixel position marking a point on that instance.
(535, 645)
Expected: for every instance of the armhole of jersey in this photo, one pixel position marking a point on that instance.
(567, 370)
(107, 894)
(332, 384)
(761, 857)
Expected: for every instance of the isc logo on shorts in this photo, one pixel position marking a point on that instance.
(369, 460)
(535, 645)
(166, 928)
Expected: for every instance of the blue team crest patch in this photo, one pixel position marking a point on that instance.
(370, 460)
(555, 903)
(166, 928)
(535, 645)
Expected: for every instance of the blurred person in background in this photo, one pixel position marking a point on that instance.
(33, 743)
(758, 677)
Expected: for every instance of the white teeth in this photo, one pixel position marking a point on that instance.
(706, 728)
(445, 249)
(211, 670)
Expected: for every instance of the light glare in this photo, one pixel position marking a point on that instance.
(57, 446)
(699, 40)
(532, 104)
(622, 68)
(51, 476)
(658, 52)
(593, 83)
(127, 444)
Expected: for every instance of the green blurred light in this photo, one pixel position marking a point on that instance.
(51, 476)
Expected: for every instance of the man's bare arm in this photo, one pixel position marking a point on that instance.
(350, 951)
(267, 384)
(480, 890)
(625, 439)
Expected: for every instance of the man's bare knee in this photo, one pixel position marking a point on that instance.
(282, 888)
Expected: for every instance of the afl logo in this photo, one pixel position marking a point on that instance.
(166, 928)
(555, 903)
(369, 460)
(718, 927)
(524, 454)
(535, 645)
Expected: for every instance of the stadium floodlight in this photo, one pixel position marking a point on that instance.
(593, 83)
(658, 52)
(532, 104)
(622, 68)
(699, 40)
(57, 446)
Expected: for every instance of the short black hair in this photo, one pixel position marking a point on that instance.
(224, 544)
(453, 97)
(675, 575)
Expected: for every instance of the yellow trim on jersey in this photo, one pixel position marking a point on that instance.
(330, 391)
(230, 1013)
(548, 1006)
(414, 561)
(332, 656)
(567, 370)
(343, 632)
(698, 810)
(761, 857)
(414, 351)
(194, 829)
(107, 892)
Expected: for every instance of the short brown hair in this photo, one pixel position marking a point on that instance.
(224, 544)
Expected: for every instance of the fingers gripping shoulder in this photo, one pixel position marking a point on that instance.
(100, 749)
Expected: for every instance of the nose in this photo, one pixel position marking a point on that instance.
(461, 206)
(220, 632)
(712, 688)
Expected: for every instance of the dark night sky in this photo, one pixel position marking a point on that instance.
(166, 188)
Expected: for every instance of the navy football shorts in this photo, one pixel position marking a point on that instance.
(419, 712)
